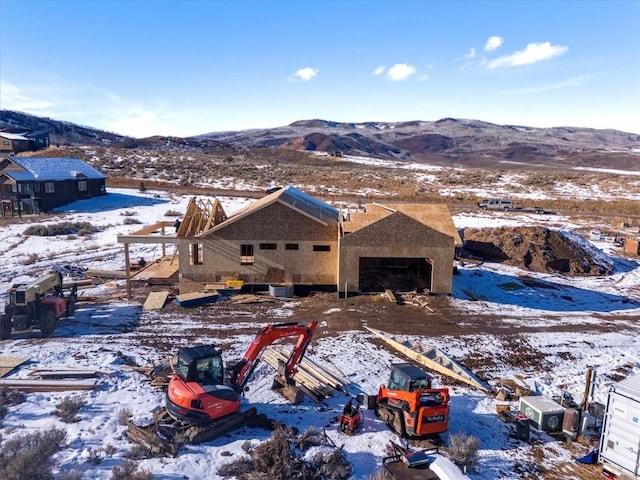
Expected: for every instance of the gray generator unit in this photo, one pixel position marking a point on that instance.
(544, 413)
(620, 441)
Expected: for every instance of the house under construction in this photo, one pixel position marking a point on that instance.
(292, 238)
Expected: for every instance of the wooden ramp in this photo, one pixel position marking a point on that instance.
(7, 364)
(156, 300)
(163, 271)
(432, 358)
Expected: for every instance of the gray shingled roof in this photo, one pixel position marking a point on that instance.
(50, 168)
(308, 204)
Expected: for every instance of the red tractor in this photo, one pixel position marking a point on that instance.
(201, 394)
(410, 406)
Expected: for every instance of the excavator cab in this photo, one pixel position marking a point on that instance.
(200, 364)
(198, 393)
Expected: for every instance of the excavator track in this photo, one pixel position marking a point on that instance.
(166, 435)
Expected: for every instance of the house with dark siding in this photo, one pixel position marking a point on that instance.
(31, 185)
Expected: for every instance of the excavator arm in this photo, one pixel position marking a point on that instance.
(271, 333)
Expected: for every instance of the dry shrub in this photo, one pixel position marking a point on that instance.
(124, 415)
(381, 474)
(463, 450)
(68, 408)
(277, 459)
(9, 398)
(131, 221)
(129, 471)
(64, 228)
(28, 456)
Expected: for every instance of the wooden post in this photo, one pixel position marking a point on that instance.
(127, 267)
(587, 390)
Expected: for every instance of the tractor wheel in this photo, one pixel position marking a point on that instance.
(48, 322)
(5, 327)
(71, 307)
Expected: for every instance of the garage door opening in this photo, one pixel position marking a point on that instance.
(405, 274)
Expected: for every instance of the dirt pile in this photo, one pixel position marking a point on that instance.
(538, 249)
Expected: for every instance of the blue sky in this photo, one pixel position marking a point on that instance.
(144, 67)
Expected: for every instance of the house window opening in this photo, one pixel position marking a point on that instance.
(291, 246)
(196, 254)
(268, 246)
(48, 187)
(322, 248)
(246, 254)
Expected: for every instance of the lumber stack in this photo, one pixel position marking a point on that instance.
(315, 380)
(159, 375)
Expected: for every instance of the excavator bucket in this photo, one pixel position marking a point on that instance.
(290, 392)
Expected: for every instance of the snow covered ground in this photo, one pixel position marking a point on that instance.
(99, 335)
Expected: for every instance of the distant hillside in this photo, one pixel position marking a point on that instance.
(60, 133)
(67, 133)
(449, 141)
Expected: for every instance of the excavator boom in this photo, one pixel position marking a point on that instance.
(268, 335)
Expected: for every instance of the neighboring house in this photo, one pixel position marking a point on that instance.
(291, 237)
(14, 143)
(31, 185)
(22, 141)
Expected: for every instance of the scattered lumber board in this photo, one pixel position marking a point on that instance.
(194, 299)
(66, 372)
(7, 364)
(107, 273)
(156, 300)
(35, 385)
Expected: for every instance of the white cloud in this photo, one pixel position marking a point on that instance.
(533, 53)
(470, 55)
(379, 70)
(400, 72)
(423, 77)
(572, 82)
(493, 43)
(15, 98)
(305, 74)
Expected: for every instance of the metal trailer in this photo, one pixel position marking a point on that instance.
(620, 441)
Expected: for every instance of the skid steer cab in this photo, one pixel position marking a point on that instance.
(410, 406)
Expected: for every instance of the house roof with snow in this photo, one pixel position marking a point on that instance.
(13, 136)
(51, 169)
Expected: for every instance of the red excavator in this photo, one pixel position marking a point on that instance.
(201, 395)
(410, 406)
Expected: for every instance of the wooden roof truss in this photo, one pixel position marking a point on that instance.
(201, 215)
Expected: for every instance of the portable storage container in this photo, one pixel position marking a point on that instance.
(620, 441)
(544, 413)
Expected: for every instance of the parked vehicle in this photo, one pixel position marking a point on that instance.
(620, 441)
(496, 204)
(508, 205)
